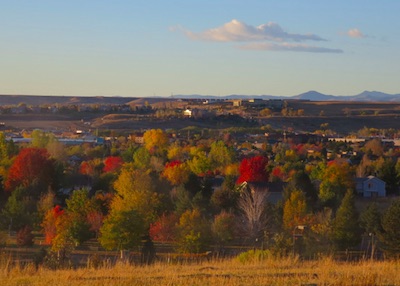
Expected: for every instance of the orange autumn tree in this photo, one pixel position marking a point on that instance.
(49, 223)
(91, 168)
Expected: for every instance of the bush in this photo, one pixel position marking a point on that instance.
(252, 256)
(25, 236)
(57, 260)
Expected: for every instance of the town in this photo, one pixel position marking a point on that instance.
(223, 181)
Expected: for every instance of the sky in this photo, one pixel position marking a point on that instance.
(145, 48)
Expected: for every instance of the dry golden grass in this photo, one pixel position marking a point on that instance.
(285, 271)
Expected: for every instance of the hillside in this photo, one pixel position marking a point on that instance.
(341, 116)
(42, 100)
(365, 96)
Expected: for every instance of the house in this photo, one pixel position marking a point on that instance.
(370, 187)
(187, 113)
(137, 138)
(237, 102)
(274, 190)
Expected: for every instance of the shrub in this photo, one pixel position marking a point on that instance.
(25, 236)
(252, 256)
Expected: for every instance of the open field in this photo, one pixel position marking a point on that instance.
(341, 124)
(286, 271)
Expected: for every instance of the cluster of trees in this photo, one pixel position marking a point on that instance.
(171, 191)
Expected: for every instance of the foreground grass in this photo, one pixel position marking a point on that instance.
(286, 271)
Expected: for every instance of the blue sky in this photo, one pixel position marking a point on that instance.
(218, 47)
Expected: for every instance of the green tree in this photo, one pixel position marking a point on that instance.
(224, 227)
(176, 152)
(19, 210)
(41, 139)
(387, 172)
(220, 155)
(182, 199)
(141, 159)
(45, 203)
(302, 182)
(200, 164)
(3, 147)
(122, 230)
(135, 190)
(370, 219)
(337, 179)
(226, 197)
(72, 226)
(346, 227)
(193, 232)
(390, 234)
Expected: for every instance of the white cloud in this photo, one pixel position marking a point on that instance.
(355, 33)
(267, 37)
(236, 31)
(288, 47)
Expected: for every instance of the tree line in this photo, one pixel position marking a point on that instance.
(198, 194)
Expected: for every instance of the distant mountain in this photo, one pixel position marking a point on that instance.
(310, 95)
(375, 96)
(315, 96)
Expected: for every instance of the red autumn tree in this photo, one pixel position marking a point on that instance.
(86, 169)
(95, 220)
(32, 167)
(112, 163)
(253, 170)
(164, 229)
(278, 172)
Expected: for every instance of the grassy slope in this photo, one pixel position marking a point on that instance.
(229, 273)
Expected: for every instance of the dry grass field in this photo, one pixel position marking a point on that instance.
(286, 271)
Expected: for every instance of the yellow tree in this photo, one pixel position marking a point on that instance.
(220, 155)
(176, 172)
(193, 232)
(155, 140)
(336, 180)
(295, 210)
(177, 152)
(136, 191)
(132, 210)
